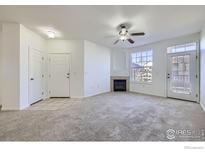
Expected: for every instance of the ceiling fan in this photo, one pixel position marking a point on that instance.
(125, 35)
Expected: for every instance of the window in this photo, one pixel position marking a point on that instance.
(180, 74)
(141, 66)
(182, 48)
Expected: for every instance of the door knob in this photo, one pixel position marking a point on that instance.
(68, 73)
(32, 79)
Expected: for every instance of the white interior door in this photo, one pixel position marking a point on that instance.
(35, 76)
(182, 76)
(59, 75)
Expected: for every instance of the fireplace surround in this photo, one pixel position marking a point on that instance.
(119, 83)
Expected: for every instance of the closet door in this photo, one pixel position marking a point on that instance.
(35, 76)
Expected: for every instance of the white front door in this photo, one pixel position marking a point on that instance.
(182, 76)
(59, 75)
(35, 76)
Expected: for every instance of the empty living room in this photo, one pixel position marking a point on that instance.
(111, 73)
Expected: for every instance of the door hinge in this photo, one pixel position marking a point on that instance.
(42, 58)
(196, 76)
(196, 57)
(42, 76)
(42, 93)
(49, 91)
(197, 95)
(49, 75)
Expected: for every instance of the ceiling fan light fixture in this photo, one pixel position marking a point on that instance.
(123, 31)
(51, 34)
(123, 37)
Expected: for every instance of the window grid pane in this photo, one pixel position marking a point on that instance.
(182, 48)
(141, 67)
(181, 74)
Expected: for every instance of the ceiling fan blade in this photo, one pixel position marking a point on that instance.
(137, 34)
(116, 42)
(131, 41)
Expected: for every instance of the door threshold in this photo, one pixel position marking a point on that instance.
(184, 100)
(36, 102)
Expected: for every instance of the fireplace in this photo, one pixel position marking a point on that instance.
(119, 85)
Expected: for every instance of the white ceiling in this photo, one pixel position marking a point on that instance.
(98, 23)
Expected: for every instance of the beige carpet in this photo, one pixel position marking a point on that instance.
(106, 117)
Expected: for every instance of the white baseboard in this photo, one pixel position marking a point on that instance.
(146, 93)
(98, 93)
(9, 108)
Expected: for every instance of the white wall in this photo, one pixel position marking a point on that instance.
(119, 62)
(96, 69)
(158, 86)
(202, 69)
(86, 59)
(76, 50)
(14, 72)
(10, 69)
(16, 40)
(1, 31)
(28, 40)
(15, 64)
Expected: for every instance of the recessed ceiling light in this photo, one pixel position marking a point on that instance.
(51, 34)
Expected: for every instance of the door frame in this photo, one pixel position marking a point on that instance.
(70, 68)
(197, 71)
(30, 49)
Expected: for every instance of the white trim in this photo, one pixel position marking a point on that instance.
(36, 49)
(198, 69)
(29, 60)
(197, 65)
(98, 93)
(141, 82)
(62, 52)
(130, 63)
(70, 68)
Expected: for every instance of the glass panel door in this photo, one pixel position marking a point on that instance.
(181, 75)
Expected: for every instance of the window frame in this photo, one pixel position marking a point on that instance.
(172, 49)
(130, 69)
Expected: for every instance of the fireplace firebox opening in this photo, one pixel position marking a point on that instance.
(119, 85)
